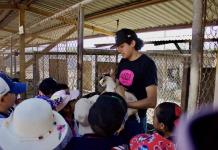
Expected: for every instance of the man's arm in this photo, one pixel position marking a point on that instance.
(149, 102)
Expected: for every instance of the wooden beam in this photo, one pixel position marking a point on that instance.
(43, 38)
(8, 6)
(11, 15)
(68, 21)
(48, 48)
(8, 30)
(49, 29)
(99, 30)
(29, 2)
(35, 35)
(122, 8)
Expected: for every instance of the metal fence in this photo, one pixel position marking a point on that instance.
(63, 67)
(58, 57)
(208, 67)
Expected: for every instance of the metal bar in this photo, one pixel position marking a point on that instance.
(196, 53)
(80, 50)
(178, 47)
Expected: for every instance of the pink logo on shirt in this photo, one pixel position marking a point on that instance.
(126, 77)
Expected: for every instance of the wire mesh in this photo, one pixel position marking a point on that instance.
(170, 72)
(208, 71)
(57, 33)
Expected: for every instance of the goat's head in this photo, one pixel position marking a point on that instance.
(108, 83)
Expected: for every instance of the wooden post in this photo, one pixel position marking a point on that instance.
(96, 73)
(15, 64)
(22, 43)
(185, 83)
(80, 24)
(196, 53)
(35, 73)
(11, 60)
(215, 101)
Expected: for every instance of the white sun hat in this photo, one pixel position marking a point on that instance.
(62, 97)
(81, 113)
(33, 125)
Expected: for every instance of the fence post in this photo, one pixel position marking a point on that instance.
(196, 52)
(96, 73)
(185, 83)
(35, 73)
(11, 59)
(80, 50)
(22, 43)
(215, 101)
(15, 64)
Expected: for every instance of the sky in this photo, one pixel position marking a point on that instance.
(146, 36)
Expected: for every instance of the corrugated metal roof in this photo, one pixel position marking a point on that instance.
(161, 13)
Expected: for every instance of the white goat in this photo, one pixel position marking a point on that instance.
(110, 86)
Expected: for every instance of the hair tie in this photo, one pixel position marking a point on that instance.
(176, 122)
(178, 111)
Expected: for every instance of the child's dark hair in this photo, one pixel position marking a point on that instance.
(62, 86)
(203, 131)
(139, 43)
(168, 113)
(48, 86)
(107, 114)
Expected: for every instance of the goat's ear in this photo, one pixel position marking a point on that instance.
(112, 73)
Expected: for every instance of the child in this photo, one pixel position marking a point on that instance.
(33, 125)
(165, 119)
(198, 132)
(150, 142)
(105, 117)
(63, 101)
(46, 88)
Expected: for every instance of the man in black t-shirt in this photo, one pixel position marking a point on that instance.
(137, 73)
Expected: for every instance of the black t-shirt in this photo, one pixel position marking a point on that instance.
(137, 75)
(94, 142)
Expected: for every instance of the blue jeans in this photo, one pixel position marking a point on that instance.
(133, 127)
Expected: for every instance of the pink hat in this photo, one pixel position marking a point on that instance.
(150, 142)
(62, 97)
